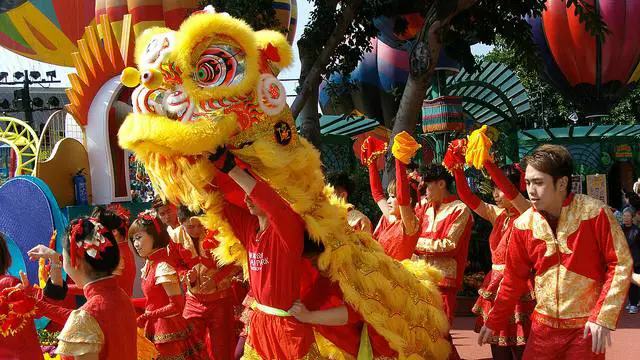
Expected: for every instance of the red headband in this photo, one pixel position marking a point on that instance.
(92, 246)
(149, 216)
(122, 212)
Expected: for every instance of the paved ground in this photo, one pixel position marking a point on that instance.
(626, 340)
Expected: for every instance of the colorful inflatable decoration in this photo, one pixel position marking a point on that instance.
(592, 72)
(29, 214)
(23, 142)
(399, 40)
(47, 30)
(373, 88)
(212, 84)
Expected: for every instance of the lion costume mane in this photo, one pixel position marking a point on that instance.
(212, 83)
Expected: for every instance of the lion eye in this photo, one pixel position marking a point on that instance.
(219, 66)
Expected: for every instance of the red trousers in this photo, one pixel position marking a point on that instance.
(449, 303)
(555, 344)
(214, 322)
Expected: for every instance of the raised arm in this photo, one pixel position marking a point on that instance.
(375, 184)
(478, 206)
(510, 191)
(404, 148)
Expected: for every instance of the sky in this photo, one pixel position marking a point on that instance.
(13, 62)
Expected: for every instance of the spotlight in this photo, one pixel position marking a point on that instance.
(53, 101)
(5, 104)
(37, 102)
(18, 75)
(51, 74)
(34, 74)
(3, 75)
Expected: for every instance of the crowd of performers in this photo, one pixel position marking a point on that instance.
(560, 274)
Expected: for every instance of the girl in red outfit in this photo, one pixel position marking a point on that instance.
(105, 326)
(398, 229)
(23, 344)
(116, 219)
(510, 203)
(162, 320)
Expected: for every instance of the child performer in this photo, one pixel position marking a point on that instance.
(116, 219)
(211, 289)
(509, 343)
(162, 320)
(105, 326)
(398, 229)
(274, 243)
(20, 340)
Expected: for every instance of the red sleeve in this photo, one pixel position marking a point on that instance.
(8, 281)
(619, 266)
(501, 181)
(464, 192)
(402, 184)
(176, 260)
(244, 225)
(375, 183)
(55, 313)
(514, 282)
(287, 223)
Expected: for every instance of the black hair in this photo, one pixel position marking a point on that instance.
(110, 220)
(184, 213)
(634, 199)
(435, 172)
(109, 258)
(160, 239)
(342, 180)
(5, 256)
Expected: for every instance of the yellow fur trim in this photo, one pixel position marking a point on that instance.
(275, 38)
(158, 134)
(201, 30)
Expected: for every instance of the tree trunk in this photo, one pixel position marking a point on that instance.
(423, 61)
(308, 93)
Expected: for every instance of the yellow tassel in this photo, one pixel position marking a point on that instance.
(478, 148)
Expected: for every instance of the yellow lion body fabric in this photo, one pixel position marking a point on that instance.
(212, 83)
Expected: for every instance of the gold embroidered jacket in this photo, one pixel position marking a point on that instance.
(444, 238)
(582, 272)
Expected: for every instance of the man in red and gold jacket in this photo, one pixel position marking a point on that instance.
(581, 261)
(445, 233)
(212, 291)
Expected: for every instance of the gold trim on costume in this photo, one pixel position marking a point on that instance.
(450, 241)
(81, 335)
(251, 354)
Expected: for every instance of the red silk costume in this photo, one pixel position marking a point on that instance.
(583, 271)
(169, 331)
(275, 266)
(126, 270)
(24, 345)
(105, 324)
(211, 299)
(444, 243)
(502, 220)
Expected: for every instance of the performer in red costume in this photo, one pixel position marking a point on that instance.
(211, 290)
(105, 326)
(444, 236)
(162, 320)
(507, 344)
(581, 260)
(167, 212)
(274, 239)
(20, 341)
(398, 228)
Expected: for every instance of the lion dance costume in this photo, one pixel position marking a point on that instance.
(212, 84)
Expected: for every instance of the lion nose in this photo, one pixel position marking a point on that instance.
(151, 79)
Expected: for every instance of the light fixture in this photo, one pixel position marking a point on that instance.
(53, 101)
(3, 75)
(5, 104)
(18, 75)
(37, 102)
(34, 74)
(51, 74)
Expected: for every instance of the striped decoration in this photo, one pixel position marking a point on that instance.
(442, 114)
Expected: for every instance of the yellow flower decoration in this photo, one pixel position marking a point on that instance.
(478, 148)
(404, 147)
